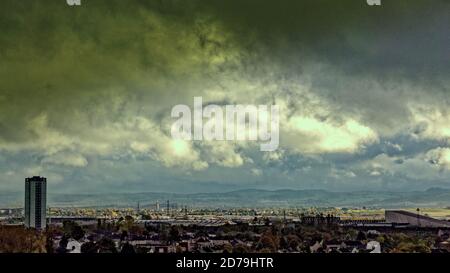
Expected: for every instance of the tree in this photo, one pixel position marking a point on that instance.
(89, 247)
(411, 247)
(201, 233)
(128, 223)
(268, 241)
(124, 235)
(21, 240)
(293, 242)
(163, 235)
(174, 234)
(227, 248)
(361, 236)
(77, 233)
(127, 248)
(241, 248)
(62, 248)
(284, 243)
(73, 230)
(106, 245)
(49, 244)
(266, 250)
(99, 224)
(50, 233)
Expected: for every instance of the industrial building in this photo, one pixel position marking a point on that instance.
(414, 219)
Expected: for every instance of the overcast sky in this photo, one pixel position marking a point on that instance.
(86, 93)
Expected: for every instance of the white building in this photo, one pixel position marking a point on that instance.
(73, 246)
(374, 246)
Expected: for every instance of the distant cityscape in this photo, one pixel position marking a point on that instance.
(168, 227)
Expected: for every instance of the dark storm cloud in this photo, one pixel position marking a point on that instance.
(410, 36)
(97, 60)
(73, 80)
(358, 58)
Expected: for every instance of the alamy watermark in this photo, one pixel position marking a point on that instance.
(73, 2)
(228, 122)
(373, 2)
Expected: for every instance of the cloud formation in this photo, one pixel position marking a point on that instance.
(86, 92)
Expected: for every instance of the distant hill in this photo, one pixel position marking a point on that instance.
(434, 197)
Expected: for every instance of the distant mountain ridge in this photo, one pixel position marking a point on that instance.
(433, 197)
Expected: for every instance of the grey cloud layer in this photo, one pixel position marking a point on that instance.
(88, 90)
